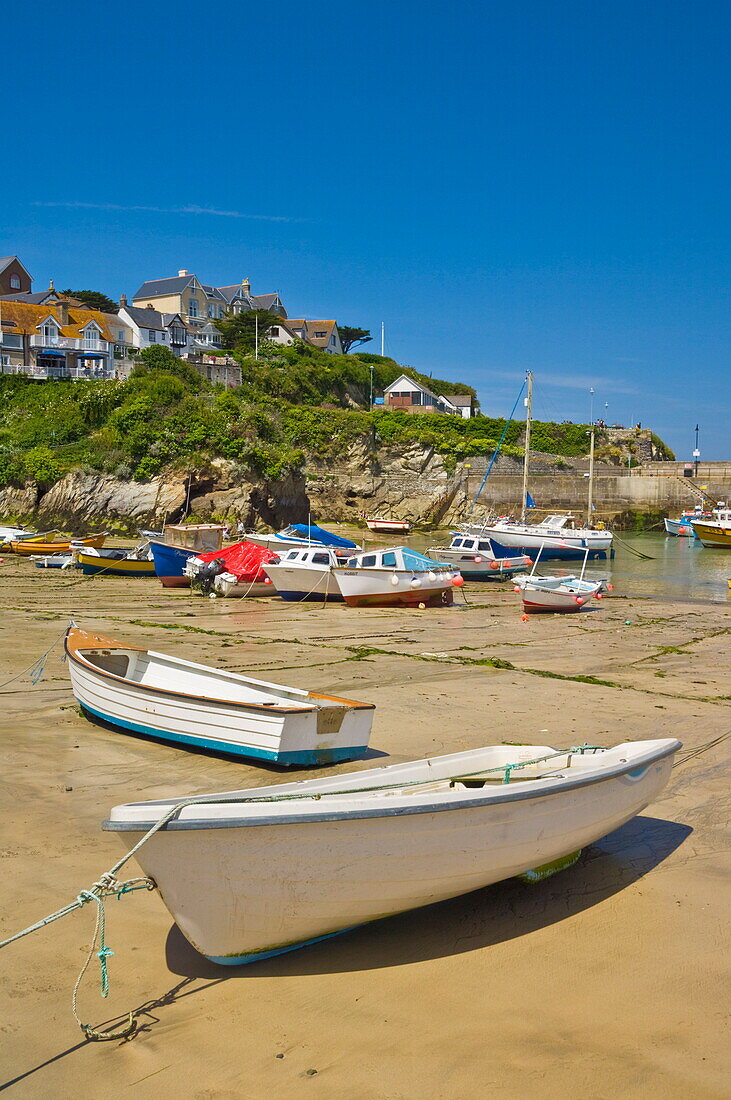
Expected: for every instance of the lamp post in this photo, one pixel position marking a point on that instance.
(592, 391)
(370, 405)
(696, 452)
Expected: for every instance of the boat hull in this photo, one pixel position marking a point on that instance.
(295, 582)
(298, 734)
(169, 563)
(478, 567)
(91, 566)
(553, 547)
(374, 588)
(246, 891)
(390, 527)
(27, 547)
(716, 535)
(678, 527)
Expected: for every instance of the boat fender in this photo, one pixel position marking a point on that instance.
(516, 588)
(493, 564)
(415, 582)
(394, 578)
(578, 600)
(458, 581)
(598, 595)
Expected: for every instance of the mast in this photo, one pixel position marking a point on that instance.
(526, 460)
(590, 502)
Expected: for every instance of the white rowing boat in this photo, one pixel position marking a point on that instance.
(169, 699)
(253, 873)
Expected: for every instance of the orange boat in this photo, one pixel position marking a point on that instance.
(25, 547)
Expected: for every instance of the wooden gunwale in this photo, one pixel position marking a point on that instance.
(75, 653)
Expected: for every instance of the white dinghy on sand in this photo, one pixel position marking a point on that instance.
(253, 873)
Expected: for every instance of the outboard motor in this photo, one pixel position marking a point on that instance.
(207, 574)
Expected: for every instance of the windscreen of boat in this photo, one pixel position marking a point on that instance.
(418, 563)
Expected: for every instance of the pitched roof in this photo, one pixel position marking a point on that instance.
(41, 296)
(461, 400)
(411, 385)
(5, 261)
(144, 317)
(26, 317)
(233, 291)
(159, 288)
(213, 292)
(313, 327)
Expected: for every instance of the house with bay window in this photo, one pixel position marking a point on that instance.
(198, 303)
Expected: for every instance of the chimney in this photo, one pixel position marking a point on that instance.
(122, 301)
(62, 311)
(246, 287)
(50, 285)
(150, 305)
(182, 271)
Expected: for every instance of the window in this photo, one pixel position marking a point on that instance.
(177, 335)
(11, 340)
(210, 311)
(389, 560)
(15, 282)
(332, 338)
(120, 336)
(469, 544)
(293, 555)
(320, 334)
(369, 559)
(416, 398)
(321, 559)
(50, 331)
(484, 546)
(193, 308)
(457, 542)
(274, 331)
(162, 336)
(151, 335)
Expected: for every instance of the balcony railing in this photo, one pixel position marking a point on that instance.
(69, 343)
(76, 374)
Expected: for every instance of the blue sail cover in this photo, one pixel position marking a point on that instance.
(319, 534)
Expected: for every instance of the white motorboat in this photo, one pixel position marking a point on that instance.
(476, 558)
(253, 873)
(306, 573)
(397, 575)
(169, 699)
(556, 534)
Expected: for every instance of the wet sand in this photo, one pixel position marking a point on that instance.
(607, 980)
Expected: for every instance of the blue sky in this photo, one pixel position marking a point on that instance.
(507, 186)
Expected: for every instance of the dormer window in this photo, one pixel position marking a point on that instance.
(50, 331)
(91, 337)
(15, 282)
(193, 307)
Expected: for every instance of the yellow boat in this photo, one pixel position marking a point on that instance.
(715, 532)
(39, 536)
(26, 547)
(114, 566)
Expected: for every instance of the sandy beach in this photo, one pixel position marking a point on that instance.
(609, 979)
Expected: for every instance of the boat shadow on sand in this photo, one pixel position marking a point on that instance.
(480, 919)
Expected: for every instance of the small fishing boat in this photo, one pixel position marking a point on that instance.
(306, 573)
(562, 594)
(28, 547)
(476, 558)
(397, 575)
(683, 526)
(300, 534)
(715, 532)
(136, 561)
(168, 699)
(253, 873)
(389, 526)
(181, 542)
(236, 571)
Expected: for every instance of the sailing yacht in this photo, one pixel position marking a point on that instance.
(557, 536)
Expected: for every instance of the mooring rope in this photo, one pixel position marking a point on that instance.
(36, 670)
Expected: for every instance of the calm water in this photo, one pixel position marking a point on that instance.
(678, 568)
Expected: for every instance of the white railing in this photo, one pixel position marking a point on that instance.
(77, 374)
(69, 343)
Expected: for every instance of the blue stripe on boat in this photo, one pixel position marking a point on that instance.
(256, 956)
(302, 757)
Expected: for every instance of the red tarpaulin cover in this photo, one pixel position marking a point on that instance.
(243, 559)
